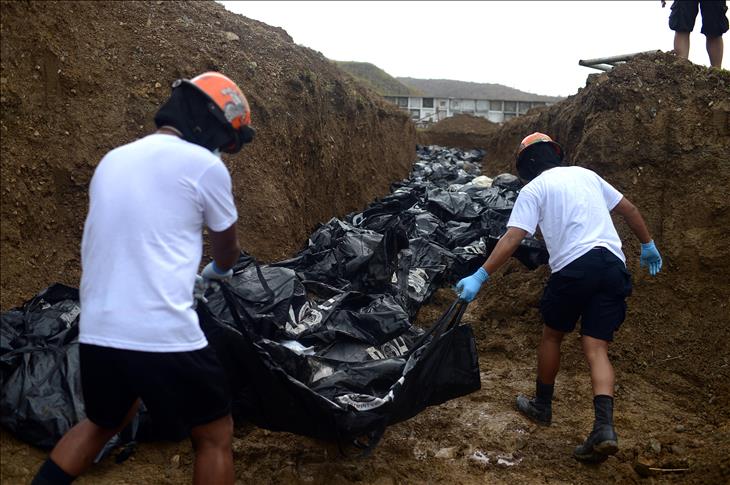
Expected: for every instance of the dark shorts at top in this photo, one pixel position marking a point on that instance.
(180, 389)
(714, 16)
(594, 288)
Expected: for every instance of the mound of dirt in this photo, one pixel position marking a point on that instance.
(80, 78)
(462, 131)
(466, 124)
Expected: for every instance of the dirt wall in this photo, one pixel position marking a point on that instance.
(79, 78)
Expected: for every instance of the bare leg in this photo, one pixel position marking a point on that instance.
(596, 353)
(714, 50)
(681, 44)
(76, 450)
(213, 452)
(548, 355)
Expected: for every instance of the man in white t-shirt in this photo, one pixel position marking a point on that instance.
(589, 279)
(142, 245)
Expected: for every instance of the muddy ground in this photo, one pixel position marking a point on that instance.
(658, 128)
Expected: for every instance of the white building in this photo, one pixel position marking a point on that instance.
(432, 109)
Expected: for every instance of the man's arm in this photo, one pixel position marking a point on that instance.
(224, 247)
(468, 287)
(219, 211)
(506, 246)
(633, 218)
(650, 256)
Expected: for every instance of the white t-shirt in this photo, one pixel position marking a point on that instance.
(572, 206)
(143, 242)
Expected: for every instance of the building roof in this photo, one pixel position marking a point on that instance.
(446, 88)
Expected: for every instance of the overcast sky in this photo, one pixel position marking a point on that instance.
(533, 46)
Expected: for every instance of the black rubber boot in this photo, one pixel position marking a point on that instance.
(538, 409)
(51, 474)
(603, 441)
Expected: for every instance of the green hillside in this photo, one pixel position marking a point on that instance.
(375, 78)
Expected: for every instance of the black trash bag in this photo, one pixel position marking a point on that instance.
(324, 266)
(452, 205)
(451, 367)
(461, 233)
(334, 251)
(370, 377)
(281, 307)
(327, 236)
(495, 199)
(41, 388)
(532, 253)
(375, 222)
(271, 383)
(415, 285)
(383, 261)
(445, 166)
(493, 223)
(396, 203)
(507, 181)
(41, 379)
(344, 350)
(372, 319)
(339, 252)
(430, 254)
(469, 259)
(273, 296)
(422, 223)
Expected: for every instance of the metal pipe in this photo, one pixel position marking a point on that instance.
(612, 59)
(600, 67)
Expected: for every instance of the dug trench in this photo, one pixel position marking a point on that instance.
(657, 128)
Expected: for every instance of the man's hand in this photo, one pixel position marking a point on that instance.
(213, 272)
(651, 258)
(201, 285)
(664, 3)
(468, 287)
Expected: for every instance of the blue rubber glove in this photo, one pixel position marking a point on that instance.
(213, 272)
(651, 258)
(467, 288)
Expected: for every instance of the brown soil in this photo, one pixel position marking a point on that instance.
(462, 131)
(79, 78)
(658, 128)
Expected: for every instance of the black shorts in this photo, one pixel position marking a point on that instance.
(714, 16)
(594, 288)
(180, 389)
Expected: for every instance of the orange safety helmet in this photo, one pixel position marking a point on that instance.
(230, 106)
(538, 137)
(227, 96)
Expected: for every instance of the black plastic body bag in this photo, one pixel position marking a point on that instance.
(272, 387)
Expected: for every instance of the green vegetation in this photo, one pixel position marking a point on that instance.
(376, 79)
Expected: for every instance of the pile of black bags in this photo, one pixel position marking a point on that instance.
(320, 344)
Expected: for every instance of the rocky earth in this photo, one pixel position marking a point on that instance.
(80, 78)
